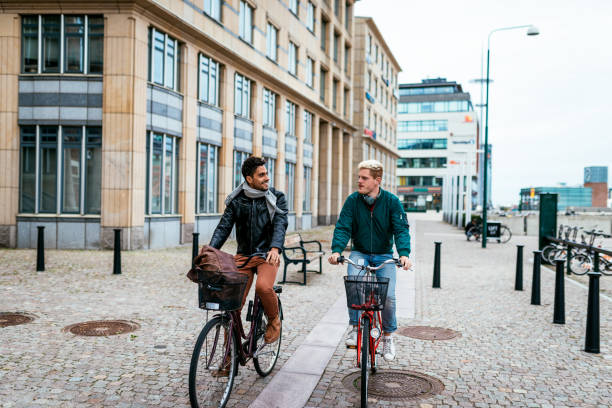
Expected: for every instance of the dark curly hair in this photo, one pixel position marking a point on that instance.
(250, 164)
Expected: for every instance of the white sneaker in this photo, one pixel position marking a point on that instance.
(351, 338)
(388, 348)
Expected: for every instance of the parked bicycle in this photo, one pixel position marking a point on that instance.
(475, 232)
(223, 344)
(368, 294)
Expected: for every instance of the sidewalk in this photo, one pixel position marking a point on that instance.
(509, 352)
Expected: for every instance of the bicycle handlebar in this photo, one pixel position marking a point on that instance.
(342, 259)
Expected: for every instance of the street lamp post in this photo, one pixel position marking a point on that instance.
(531, 30)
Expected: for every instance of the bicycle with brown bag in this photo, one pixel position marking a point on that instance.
(223, 344)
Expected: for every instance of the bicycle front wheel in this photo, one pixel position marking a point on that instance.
(267, 354)
(213, 365)
(505, 234)
(365, 342)
(580, 264)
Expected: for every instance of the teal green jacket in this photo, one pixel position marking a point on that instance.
(373, 231)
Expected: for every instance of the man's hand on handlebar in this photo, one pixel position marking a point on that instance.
(333, 258)
(406, 264)
(273, 257)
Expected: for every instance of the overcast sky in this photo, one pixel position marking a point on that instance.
(551, 102)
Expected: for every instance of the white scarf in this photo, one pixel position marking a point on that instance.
(254, 193)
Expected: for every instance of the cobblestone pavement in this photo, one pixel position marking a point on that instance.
(42, 366)
(509, 354)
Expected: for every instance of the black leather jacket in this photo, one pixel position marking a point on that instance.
(254, 230)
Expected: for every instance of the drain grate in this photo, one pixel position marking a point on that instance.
(102, 328)
(396, 385)
(428, 333)
(15, 318)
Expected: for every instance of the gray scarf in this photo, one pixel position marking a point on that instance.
(254, 193)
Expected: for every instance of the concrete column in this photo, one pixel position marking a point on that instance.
(347, 160)
(299, 167)
(337, 152)
(460, 195)
(256, 109)
(314, 182)
(226, 155)
(325, 173)
(124, 130)
(187, 146)
(279, 172)
(10, 35)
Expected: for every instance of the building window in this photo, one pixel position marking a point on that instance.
(421, 162)
(307, 127)
(213, 9)
(335, 95)
(162, 174)
(367, 118)
(294, 6)
(346, 102)
(269, 108)
(346, 59)
(369, 44)
(271, 42)
(421, 144)
(336, 46)
(419, 181)
(290, 185)
(209, 80)
(375, 88)
(164, 60)
(322, 82)
(347, 16)
(79, 170)
(81, 40)
(293, 58)
(307, 188)
(239, 158)
(337, 8)
(435, 107)
(242, 96)
(422, 125)
(246, 22)
(208, 164)
(309, 72)
(376, 52)
(270, 166)
(290, 119)
(310, 17)
(324, 24)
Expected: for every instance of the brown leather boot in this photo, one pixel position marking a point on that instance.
(273, 330)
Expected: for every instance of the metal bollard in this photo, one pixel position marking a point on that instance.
(591, 342)
(569, 259)
(194, 249)
(518, 280)
(436, 271)
(535, 281)
(40, 249)
(117, 254)
(559, 313)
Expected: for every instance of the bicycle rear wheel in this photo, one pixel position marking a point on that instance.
(547, 252)
(580, 264)
(505, 234)
(212, 372)
(365, 342)
(266, 358)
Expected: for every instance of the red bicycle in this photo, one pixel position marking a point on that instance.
(368, 294)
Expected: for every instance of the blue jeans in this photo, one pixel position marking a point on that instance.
(389, 321)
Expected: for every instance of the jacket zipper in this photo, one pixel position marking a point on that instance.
(251, 229)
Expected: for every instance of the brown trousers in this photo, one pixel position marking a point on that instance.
(266, 276)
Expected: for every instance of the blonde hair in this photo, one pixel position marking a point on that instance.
(375, 167)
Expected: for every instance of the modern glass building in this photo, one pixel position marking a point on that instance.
(437, 138)
(567, 197)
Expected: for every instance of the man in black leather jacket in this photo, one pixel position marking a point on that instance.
(260, 215)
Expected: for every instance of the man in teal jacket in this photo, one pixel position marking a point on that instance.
(372, 218)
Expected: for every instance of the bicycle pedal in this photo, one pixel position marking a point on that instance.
(259, 349)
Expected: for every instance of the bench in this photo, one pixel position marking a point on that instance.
(296, 252)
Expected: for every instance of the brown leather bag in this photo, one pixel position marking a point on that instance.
(211, 260)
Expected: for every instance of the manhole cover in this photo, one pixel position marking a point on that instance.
(13, 319)
(102, 328)
(396, 385)
(428, 333)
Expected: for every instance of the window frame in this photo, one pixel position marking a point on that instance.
(245, 25)
(174, 177)
(153, 70)
(310, 72)
(310, 17)
(272, 49)
(242, 96)
(214, 183)
(292, 52)
(212, 77)
(211, 11)
(269, 108)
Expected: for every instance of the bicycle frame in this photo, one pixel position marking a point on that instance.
(374, 318)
